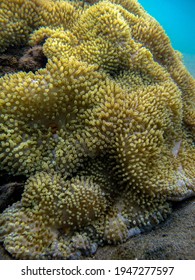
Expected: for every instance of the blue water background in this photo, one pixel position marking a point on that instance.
(177, 17)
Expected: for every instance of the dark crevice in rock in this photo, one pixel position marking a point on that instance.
(22, 59)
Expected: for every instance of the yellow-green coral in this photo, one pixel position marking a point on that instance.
(104, 133)
(18, 18)
(50, 208)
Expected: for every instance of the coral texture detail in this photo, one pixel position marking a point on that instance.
(103, 133)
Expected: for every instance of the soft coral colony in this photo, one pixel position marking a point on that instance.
(104, 133)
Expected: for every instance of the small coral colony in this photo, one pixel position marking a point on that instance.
(103, 132)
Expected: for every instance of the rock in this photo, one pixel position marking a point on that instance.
(10, 193)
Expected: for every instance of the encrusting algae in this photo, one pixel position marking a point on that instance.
(104, 133)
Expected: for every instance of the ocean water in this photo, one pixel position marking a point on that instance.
(178, 19)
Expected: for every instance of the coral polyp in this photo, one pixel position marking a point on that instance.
(104, 133)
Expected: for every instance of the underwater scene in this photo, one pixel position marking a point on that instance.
(97, 129)
(177, 18)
